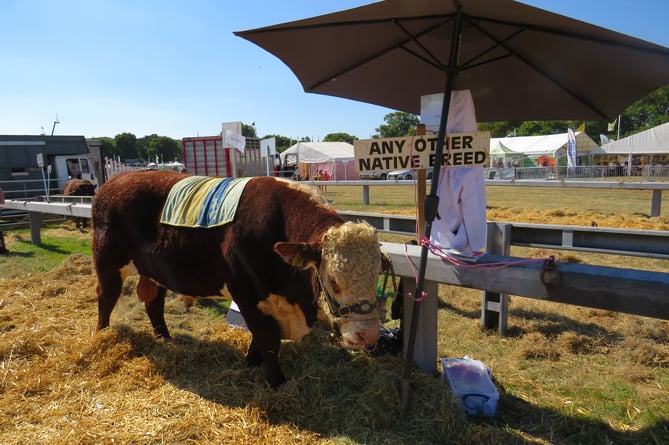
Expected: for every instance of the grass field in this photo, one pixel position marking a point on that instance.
(517, 201)
(566, 375)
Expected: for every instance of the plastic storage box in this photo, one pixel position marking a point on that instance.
(471, 382)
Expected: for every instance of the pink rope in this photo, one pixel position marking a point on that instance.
(443, 254)
(415, 273)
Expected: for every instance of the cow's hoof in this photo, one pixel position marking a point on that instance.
(253, 363)
(162, 334)
(253, 358)
(275, 383)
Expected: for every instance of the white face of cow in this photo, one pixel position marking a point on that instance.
(349, 270)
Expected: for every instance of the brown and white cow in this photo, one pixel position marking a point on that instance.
(283, 247)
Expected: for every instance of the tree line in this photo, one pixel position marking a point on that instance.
(648, 112)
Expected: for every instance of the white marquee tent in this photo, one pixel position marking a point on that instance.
(335, 158)
(536, 149)
(652, 141)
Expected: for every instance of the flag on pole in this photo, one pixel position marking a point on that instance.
(612, 125)
(581, 128)
(571, 148)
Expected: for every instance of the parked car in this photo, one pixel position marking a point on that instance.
(382, 175)
(408, 174)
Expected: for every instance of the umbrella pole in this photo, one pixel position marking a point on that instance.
(430, 208)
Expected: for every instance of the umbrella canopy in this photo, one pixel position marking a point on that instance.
(520, 62)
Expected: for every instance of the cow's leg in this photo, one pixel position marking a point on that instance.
(269, 351)
(156, 312)
(265, 344)
(109, 290)
(253, 357)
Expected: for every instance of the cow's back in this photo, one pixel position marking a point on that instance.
(198, 261)
(133, 195)
(79, 187)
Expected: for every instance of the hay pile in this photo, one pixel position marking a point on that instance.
(570, 217)
(63, 383)
(565, 374)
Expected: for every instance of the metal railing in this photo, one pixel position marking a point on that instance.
(639, 243)
(648, 172)
(27, 188)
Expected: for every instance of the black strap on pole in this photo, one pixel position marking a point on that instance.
(431, 206)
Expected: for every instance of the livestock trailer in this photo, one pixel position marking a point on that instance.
(211, 156)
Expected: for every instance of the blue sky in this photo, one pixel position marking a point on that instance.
(174, 68)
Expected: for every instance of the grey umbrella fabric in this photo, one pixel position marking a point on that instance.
(520, 62)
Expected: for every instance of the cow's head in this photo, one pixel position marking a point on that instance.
(348, 263)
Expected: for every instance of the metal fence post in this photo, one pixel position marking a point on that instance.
(425, 346)
(35, 225)
(365, 195)
(495, 306)
(656, 203)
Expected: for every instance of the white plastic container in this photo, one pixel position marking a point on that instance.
(471, 382)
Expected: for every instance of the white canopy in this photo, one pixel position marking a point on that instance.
(335, 158)
(542, 145)
(652, 141)
(318, 152)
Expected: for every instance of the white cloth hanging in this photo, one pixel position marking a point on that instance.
(461, 215)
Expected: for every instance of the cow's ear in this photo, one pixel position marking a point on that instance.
(386, 264)
(299, 255)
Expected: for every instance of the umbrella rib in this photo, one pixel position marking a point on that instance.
(511, 52)
(499, 43)
(469, 65)
(654, 49)
(438, 65)
(386, 50)
(435, 60)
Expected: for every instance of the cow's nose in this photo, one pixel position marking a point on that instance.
(369, 339)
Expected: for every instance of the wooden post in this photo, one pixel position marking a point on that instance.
(421, 192)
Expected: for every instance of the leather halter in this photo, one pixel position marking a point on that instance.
(363, 307)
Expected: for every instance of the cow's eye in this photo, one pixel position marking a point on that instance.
(334, 286)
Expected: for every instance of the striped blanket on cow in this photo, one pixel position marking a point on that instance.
(203, 201)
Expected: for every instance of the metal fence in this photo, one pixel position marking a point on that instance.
(25, 189)
(646, 172)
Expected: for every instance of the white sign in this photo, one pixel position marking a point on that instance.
(460, 150)
(268, 146)
(430, 109)
(235, 140)
(40, 160)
